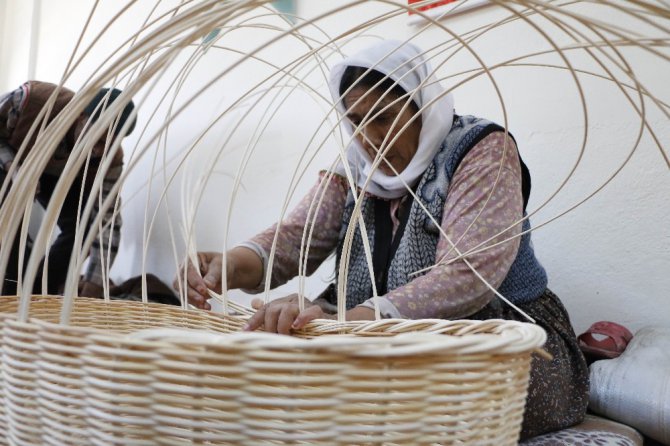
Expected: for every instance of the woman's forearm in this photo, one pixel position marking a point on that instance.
(245, 268)
(290, 256)
(360, 313)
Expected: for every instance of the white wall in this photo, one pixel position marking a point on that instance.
(16, 20)
(3, 19)
(608, 259)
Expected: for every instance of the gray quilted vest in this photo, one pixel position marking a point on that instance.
(416, 248)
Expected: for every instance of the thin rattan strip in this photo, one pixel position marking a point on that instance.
(288, 406)
(386, 409)
(3, 411)
(118, 390)
(485, 400)
(19, 358)
(197, 393)
(59, 380)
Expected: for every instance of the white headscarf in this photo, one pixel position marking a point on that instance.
(403, 63)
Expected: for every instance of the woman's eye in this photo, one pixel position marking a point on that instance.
(383, 117)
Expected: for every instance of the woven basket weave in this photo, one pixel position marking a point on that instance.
(127, 373)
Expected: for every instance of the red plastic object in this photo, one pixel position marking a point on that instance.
(616, 338)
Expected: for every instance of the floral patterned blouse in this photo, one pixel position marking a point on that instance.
(484, 206)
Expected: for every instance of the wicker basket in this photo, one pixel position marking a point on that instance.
(127, 373)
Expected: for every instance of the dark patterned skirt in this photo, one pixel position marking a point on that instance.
(558, 391)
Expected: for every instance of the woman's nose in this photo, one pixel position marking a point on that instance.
(367, 140)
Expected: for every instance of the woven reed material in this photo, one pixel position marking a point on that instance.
(138, 374)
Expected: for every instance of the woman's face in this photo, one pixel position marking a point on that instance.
(384, 120)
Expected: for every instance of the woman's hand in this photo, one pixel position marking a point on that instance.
(244, 269)
(198, 282)
(283, 315)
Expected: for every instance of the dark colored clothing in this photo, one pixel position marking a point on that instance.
(60, 250)
(19, 110)
(157, 291)
(558, 392)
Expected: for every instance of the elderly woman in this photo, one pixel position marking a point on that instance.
(409, 151)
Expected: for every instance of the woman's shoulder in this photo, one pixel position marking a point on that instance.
(495, 149)
(333, 181)
(470, 122)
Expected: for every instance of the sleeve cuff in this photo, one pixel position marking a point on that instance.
(326, 306)
(260, 252)
(386, 308)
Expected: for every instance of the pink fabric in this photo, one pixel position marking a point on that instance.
(394, 207)
(324, 237)
(484, 199)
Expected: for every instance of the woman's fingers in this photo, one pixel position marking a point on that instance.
(307, 315)
(286, 318)
(196, 291)
(256, 321)
(212, 276)
(282, 315)
(272, 317)
(200, 279)
(203, 262)
(195, 299)
(195, 281)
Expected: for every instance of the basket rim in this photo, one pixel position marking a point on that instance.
(363, 339)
